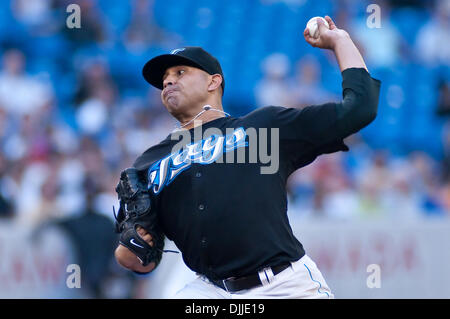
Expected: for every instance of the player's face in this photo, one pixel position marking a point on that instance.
(184, 88)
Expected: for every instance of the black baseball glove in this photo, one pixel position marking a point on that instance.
(136, 210)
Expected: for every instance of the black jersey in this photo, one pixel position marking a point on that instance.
(225, 213)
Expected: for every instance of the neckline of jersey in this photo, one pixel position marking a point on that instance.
(209, 123)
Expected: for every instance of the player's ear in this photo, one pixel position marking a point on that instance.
(215, 82)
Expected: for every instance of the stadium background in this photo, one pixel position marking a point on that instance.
(75, 111)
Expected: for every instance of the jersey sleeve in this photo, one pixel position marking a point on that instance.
(320, 129)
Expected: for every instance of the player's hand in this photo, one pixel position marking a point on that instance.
(128, 259)
(145, 235)
(328, 37)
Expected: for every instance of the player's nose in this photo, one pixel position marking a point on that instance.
(169, 80)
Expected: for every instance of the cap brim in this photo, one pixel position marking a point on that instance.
(154, 69)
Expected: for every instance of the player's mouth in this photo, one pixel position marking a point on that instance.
(168, 92)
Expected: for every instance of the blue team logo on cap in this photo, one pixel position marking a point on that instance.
(177, 50)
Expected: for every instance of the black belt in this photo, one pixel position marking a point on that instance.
(246, 282)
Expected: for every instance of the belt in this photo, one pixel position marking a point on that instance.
(247, 282)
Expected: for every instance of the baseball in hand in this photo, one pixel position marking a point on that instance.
(313, 28)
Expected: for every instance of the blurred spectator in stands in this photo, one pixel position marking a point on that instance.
(408, 3)
(35, 132)
(381, 47)
(94, 239)
(138, 137)
(91, 157)
(28, 142)
(444, 191)
(160, 122)
(343, 14)
(433, 39)
(5, 124)
(446, 154)
(93, 74)
(371, 181)
(273, 88)
(293, 3)
(10, 175)
(44, 191)
(323, 189)
(47, 205)
(444, 110)
(338, 201)
(143, 31)
(398, 198)
(306, 88)
(28, 196)
(33, 13)
(444, 98)
(37, 16)
(21, 93)
(301, 189)
(445, 198)
(94, 113)
(317, 208)
(6, 206)
(424, 172)
(95, 98)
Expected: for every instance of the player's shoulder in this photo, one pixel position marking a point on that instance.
(263, 114)
(153, 153)
(265, 110)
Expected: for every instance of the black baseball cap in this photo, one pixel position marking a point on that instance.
(154, 69)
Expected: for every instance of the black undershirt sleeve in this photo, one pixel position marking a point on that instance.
(360, 101)
(320, 129)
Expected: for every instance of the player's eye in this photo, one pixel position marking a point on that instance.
(180, 72)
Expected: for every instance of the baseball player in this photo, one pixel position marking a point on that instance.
(227, 218)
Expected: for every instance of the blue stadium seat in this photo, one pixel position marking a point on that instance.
(52, 47)
(117, 13)
(172, 15)
(408, 21)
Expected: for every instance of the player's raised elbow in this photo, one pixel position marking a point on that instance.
(361, 97)
(356, 112)
(371, 109)
(369, 100)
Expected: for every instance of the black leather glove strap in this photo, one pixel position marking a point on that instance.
(131, 239)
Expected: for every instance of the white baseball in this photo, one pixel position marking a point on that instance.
(313, 28)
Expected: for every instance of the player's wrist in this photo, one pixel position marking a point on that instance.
(341, 39)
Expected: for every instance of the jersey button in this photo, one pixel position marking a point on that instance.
(201, 207)
(203, 241)
(198, 174)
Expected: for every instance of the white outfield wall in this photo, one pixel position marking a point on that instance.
(413, 259)
(34, 266)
